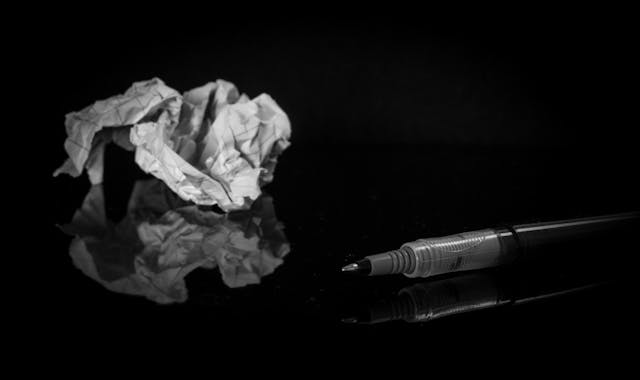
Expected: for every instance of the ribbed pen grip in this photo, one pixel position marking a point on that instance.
(401, 260)
(465, 251)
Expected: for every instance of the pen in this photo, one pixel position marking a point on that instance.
(483, 248)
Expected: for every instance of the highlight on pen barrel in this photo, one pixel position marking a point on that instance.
(544, 234)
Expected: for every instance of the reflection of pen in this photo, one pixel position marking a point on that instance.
(450, 296)
(481, 249)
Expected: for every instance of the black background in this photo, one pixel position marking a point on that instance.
(528, 80)
(406, 124)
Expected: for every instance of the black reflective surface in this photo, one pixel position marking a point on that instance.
(340, 203)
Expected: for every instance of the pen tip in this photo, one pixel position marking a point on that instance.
(359, 267)
(351, 268)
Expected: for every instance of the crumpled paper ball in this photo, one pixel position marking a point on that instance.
(211, 146)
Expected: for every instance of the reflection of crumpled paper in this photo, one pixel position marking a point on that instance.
(161, 240)
(210, 146)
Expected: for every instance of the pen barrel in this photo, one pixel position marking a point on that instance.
(492, 247)
(461, 252)
(537, 235)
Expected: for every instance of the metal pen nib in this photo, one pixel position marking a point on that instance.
(350, 268)
(359, 267)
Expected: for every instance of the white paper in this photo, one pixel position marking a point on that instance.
(161, 240)
(210, 146)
